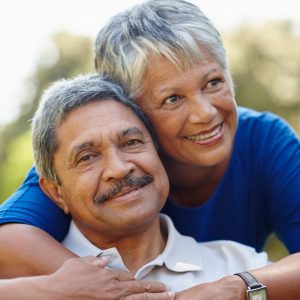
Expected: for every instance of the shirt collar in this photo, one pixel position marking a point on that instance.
(181, 253)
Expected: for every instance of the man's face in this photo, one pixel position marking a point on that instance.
(112, 181)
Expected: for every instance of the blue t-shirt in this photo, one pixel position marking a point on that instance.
(259, 193)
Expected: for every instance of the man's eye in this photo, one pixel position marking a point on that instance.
(85, 158)
(171, 100)
(133, 142)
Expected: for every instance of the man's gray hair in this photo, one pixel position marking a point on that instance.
(172, 28)
(59, 100)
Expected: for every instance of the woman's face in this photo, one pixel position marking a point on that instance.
(193, 112)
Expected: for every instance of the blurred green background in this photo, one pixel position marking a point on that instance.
(264, 60)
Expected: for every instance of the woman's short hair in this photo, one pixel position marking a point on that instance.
(175, 29)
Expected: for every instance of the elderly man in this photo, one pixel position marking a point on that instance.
(96, 156)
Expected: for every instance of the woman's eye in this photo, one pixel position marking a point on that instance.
(171, 100)
(214, 83)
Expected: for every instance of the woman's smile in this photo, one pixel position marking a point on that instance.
(207, 136)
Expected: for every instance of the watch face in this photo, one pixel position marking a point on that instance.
(258, 294)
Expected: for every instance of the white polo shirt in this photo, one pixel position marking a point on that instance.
(183, 263)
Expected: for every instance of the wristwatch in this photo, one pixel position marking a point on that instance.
(255, 289)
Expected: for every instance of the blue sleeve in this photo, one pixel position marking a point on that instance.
(282, 182)
(29, 205)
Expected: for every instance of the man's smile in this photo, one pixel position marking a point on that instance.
(123, 187)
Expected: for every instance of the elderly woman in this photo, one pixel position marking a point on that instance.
(234, 172)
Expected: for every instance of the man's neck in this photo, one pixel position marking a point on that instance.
(136, 248)
(142, 248)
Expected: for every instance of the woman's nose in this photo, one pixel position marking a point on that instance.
(201, 109)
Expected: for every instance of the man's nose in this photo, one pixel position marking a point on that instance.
(201, 109)
(116, 165)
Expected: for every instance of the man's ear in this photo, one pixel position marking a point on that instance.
(53, 191)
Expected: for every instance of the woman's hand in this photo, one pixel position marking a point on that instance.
(86, 278)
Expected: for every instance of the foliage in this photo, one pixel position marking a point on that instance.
(17, 163)
(265, 63)
(69, 56)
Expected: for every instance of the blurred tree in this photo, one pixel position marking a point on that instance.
(67, 56)
(265, 62)
(17, 163)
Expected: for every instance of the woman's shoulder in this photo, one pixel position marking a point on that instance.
(266, 125)
(259, 134)
(248, 116)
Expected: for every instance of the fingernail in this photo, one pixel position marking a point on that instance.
(171, 295)
(104, 256)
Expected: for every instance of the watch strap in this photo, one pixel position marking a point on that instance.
(250, 280)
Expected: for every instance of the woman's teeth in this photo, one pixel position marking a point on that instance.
(202, 137)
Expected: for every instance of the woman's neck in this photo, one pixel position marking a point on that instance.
(192, 185)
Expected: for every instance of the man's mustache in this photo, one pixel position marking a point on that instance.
(118, 186)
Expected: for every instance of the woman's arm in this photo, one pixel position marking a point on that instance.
(31, 251)
(26, 250)
(281, 279)
(27, 218)
(82, 278)
(49, 286)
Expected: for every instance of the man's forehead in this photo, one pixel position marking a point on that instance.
(119, 132)
(101, 136)
(104, 111)
(100, 119)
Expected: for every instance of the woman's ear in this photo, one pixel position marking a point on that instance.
(53, 191)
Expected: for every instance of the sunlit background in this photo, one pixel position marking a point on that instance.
(42, 41)
(25, 28)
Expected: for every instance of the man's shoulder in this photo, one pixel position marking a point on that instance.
(225, 251)
(226, 245)
(233, 254)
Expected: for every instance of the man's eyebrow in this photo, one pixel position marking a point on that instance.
(132, 131)
(77, 148)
